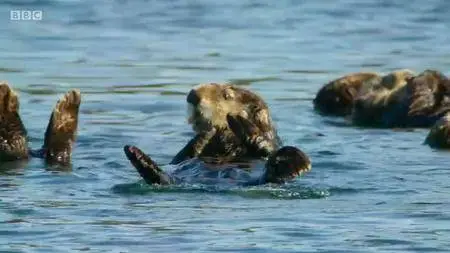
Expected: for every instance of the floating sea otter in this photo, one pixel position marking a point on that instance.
(232, 125)
(402, 99)
(59, 136)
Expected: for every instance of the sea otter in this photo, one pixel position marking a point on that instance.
(336, 98)
(59, 136)
(282, 165)
(231, 124)
(418, 102)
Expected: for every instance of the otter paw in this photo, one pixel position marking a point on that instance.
(62, 128)
(145, 166)
(286, 164)
(250, 135)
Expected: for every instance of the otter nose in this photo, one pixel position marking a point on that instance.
(193, 98)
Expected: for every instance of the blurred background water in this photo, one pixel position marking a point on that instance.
(370, 190)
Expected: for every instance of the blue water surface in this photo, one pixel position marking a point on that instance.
(369, 190)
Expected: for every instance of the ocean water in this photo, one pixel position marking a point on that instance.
(370, 190)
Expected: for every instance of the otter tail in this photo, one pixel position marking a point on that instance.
(62, 129)
(146, 167)
(13, 135)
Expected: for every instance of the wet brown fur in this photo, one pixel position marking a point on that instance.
(214, 139)
(337, 97)
(59, 137)
(13, 135)
(62, 128)
(370, 105)
(439, 135)
(418, 101)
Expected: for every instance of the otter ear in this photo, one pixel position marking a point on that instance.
(228, 93)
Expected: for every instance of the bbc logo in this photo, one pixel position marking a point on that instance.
(25, 15)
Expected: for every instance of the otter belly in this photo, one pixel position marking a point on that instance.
(196, 171)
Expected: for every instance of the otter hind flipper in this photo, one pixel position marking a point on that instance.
(62, 129)
(146, 167)
(13, 135)
(255, 139)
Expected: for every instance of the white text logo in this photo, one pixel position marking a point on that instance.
(25, 15)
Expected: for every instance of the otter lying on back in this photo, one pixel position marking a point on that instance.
(418, 102)
(231, 124)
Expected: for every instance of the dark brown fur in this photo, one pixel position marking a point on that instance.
(59, 137)
(282, 165)
(210, 104)
(13, 139)
(337, 97)
(62, 129)
(371, 106)
(439, 135)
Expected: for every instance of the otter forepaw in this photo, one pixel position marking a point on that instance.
(286, 164)
(62, 128)
(250, 135)
(147, 168)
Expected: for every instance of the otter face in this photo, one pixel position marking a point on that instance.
(286, 164)
(209, 104)
(337, 97)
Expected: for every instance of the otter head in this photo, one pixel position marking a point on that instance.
(428, 95)
(209, 104)
(286, 164)
(337, 97)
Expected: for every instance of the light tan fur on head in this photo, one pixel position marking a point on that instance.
(388, 88)
(218, 100)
